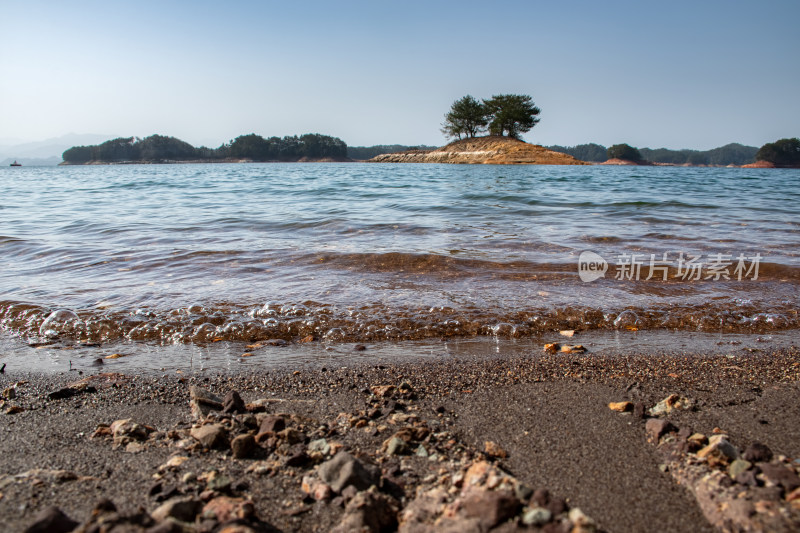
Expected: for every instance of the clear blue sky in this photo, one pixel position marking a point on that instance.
(675, 74)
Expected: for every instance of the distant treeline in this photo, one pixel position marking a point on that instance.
(161, 148)
(730, 154)
(368, 152)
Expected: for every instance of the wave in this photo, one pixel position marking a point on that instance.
(327, 322)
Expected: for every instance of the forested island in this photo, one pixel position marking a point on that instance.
(730, 154)
(252, 147)
(783, 153)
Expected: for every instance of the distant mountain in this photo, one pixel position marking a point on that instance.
(32, 161)
(48, 148)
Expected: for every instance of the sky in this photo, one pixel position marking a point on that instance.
(675, 74)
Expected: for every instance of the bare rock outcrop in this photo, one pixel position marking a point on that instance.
(491, 150)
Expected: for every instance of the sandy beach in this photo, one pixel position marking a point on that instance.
(470, 445)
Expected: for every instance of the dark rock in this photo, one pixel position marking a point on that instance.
(639, 410)
(156, 489)
(656, 428)
(169, 492)
(69, 392)
(184, 509)
(556, 505)
(297, 456)
(104, 505)
(272, 424)
(166, 527)
(684, 433)
(780, 475)
(539, 498)
(52, 520)
(349, 492)
(243, 446)
(233, 403)
(276, 342)
(758, 453)
(344, 470)
(490, 507)
(368, 511)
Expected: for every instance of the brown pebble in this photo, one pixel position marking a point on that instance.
(493, 449)
(620, 407)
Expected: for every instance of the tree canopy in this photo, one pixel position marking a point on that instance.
(624, 151)
(467, 116)
(252, 146)
(512, 114)
(783, 152)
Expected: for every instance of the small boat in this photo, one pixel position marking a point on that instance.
(15, 164)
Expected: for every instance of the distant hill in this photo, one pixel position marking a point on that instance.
(32, 161)
(730, 154)
(491, 150)
(44, 152)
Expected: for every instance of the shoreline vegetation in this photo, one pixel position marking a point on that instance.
(492, 149)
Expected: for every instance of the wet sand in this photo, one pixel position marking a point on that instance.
(548, 413)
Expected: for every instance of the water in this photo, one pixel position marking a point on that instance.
(189, 255)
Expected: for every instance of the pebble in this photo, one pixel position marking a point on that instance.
(537, 516)
(780, 475)
(620, 407)
(183, 508)
(243, 446)
(211, 436)
(670, 403)
(396, 446)
(344, 470)
(737, 467)
(490, 507)
(52, 520)
(232, 403)
(226, 508)
(719, 451)
(758, 453)
(656, 428)
(492, 449)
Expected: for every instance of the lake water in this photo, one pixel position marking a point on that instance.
(193, 254)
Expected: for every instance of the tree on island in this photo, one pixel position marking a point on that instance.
(513, 114)
(467, 116)
(782, 153)
(625, 152)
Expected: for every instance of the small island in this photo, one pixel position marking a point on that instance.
(505, 117)
(490, 150)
